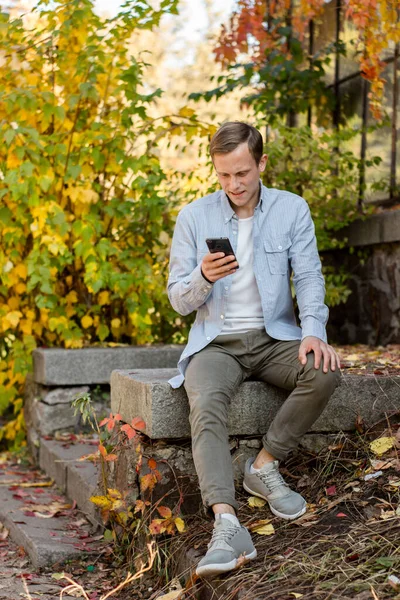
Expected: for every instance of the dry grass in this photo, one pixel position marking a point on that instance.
(346, 546)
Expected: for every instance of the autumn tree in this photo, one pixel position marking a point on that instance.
(85, 209)
(268, 43)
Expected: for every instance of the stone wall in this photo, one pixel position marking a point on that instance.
(371, 314)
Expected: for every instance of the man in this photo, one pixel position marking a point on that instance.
(245, 327)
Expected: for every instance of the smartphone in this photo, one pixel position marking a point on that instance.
(220, 245)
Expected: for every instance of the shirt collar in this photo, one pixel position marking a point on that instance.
(227, 209)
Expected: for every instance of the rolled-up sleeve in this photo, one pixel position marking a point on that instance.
(187, 288)
(308, 279)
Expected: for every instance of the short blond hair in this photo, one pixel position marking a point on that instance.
(233, 133)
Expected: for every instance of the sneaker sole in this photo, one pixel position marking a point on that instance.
(218, 568)
(273, 510)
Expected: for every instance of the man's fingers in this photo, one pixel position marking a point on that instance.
(303, 354)
(317, 356)
(327, 358)
(217, 265)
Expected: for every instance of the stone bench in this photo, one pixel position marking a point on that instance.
(88, 366)
(146, 393)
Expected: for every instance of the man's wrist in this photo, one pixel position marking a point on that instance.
(204, 277)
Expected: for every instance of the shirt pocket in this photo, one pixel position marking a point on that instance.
(276, 250)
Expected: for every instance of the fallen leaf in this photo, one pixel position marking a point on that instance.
(255, 502)
(341, 515)
(382, 445)
(172, 595)
(263, 527)
(26, 484)
(373, 475)
(296, 595)
(180, 524)
(331, 491)
(352, 357)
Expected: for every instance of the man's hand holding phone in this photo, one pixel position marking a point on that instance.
(216, 266)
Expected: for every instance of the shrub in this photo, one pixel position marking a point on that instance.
(86, 214)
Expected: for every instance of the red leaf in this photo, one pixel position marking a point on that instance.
(102, 450)
(130, 432)
(111, 457)
(341, 515)
(138, 423)
(331, 491)
(165, 512)
(152, 464)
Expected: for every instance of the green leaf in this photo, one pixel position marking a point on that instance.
(9, 136)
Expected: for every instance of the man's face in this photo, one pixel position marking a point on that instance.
(239, 175)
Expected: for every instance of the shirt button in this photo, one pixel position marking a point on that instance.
(235, 232)
(226, 287)
(208, 338)
(279, 247)
(222, 316)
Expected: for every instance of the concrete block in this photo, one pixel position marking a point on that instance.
(82, 483)
(46, 541)
(376, 229)
(147, 394)
(78, 479)
(50, 463)
(47, 411)
(58, 366)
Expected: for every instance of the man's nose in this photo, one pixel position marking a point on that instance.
(235, 184)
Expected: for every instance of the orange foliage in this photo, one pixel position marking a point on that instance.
(254, 29)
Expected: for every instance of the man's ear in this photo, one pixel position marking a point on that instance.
(263, 163)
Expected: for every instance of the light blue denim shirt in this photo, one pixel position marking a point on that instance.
(284, 241)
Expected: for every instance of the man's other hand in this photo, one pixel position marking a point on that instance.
(216, 266)
(321, 350)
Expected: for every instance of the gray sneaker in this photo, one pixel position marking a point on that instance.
(229, 542)
(269, 484)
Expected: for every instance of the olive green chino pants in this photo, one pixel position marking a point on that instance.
(212, 378)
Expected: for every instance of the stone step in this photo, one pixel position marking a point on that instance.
(147, 394)
(78, 480)
(29, 505)
(88, 366)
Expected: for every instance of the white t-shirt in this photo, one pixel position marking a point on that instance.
(244, 310)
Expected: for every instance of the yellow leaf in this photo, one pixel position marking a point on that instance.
(13, 302)
(186, 112)
(116, 323)
(255, 502)
(13, 317)
(26, 327)
(180, 524)
(353, 357)
(104, 298)
(263, 527)
(296, 595)
(72, 297)
(21, 271)
(20, 288)
(101, 501)
(86, 321)
(114, 493)
(382, 445)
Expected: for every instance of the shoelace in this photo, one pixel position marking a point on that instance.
(272, 479)
(222, 534)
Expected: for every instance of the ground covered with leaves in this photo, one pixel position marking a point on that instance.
(345, 546)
